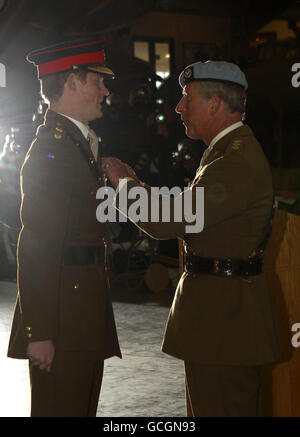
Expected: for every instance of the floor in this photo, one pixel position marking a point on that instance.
(145, 383)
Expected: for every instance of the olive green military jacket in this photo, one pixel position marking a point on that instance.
(68, 304)
(213, 319)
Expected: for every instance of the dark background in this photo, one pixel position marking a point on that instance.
(29, 24)
(135, 127)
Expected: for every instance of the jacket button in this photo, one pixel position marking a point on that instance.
(28, 328)
(29, 335)
(76, 285)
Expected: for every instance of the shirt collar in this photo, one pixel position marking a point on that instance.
(224, 132)
(83, 128)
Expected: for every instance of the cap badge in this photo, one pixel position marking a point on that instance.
(188, 72)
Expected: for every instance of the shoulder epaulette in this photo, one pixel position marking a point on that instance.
(236, 146)
(58, 131)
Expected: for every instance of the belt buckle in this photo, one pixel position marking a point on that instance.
(216, 266)
(223, 267)
(228, 267)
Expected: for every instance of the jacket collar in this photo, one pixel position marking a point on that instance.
(221, 145)
(54, 119)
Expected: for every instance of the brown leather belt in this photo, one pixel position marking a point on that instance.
(83, 255)
(222, 267)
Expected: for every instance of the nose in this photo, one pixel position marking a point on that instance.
(180, 106)
(104, 90)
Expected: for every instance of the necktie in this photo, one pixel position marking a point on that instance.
(205, 154)
(94, 142)
(203, 159)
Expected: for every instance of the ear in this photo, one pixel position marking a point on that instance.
(215, 104)
(71, 82)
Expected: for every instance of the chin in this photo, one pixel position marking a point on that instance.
(95, 116)
(190, 134)
(99, 113)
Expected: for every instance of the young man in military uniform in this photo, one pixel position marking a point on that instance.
(63, 319)
(221, 322)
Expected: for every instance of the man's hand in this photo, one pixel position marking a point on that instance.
(116, 170)
(41, 353)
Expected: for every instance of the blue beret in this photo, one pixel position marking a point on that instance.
(213, 70)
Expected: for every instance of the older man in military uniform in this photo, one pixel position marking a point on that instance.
(63, 319)
(221, 322)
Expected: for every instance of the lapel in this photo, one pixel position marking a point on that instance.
(63, 124)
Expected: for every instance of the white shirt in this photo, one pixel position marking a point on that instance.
(87, 132)
(225, 132)
(83, 127)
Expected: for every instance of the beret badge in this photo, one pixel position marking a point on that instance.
(188, 73)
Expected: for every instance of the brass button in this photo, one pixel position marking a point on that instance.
(76, 285)
(29, 335)
(28, 328)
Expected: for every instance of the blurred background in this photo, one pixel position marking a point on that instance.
(148, 43)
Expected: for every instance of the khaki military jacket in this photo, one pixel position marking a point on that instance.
(213, 319)
(69, 304)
